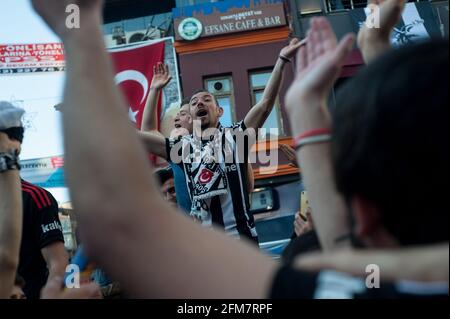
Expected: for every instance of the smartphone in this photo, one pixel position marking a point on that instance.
(304, 204)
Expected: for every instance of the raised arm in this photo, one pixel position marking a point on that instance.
(114, 192)
(10, 220)
(259, 113)
(375, 41)
(318, 66)
(154, 142)
(421, 263)
(161, 77)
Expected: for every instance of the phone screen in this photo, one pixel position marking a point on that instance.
(304, 204)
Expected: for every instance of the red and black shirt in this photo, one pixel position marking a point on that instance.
(41, 227)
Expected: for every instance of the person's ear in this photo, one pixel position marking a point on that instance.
(220, 111)
(367, 217)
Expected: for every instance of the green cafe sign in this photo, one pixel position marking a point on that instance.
(190, 29)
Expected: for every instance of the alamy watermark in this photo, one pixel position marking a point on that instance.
(228, 145)
(72, 278)
(373, 16)
(73, 19)
(373, 277)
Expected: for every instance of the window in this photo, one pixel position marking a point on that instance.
(309, 6)
(222, 89)
(336, 5)
(258, 82)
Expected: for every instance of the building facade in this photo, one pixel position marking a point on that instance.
(421, 19)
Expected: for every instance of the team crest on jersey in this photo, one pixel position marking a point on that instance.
(205, 176)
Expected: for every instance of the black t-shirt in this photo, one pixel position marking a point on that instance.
(302, 244)
(290, 283)
(41, 227)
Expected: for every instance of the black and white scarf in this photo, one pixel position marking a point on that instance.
(205, 170)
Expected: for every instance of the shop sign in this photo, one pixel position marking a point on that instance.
(232, 16)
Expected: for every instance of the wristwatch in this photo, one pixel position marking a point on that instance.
(9, 161)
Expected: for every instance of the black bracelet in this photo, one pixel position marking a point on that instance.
(9, 161)
(285, 59)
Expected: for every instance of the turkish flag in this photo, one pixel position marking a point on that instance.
(134, 74)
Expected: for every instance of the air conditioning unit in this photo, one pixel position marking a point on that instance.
(116, 38)
(119, 38)
(219, 86)
(109, 41)
(142, 35)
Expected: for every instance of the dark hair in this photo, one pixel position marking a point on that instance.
(204, 91)
(14, 133)
(185, 101)
(391, 139)
(163, 174)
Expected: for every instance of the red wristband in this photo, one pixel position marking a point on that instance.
(311, 133)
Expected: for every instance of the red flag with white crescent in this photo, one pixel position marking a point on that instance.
(134, 73)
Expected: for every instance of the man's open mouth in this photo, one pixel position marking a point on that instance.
(202, 113)
(177, 125)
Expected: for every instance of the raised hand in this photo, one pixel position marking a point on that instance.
(374, 41)
(302, 226)
(289, 50)
(54, 14)
(318, 65)
(161, 76)
(290, 154)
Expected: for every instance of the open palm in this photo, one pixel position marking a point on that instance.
(318, 64)
(390, 14)
(161, 76)
(374, 41)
